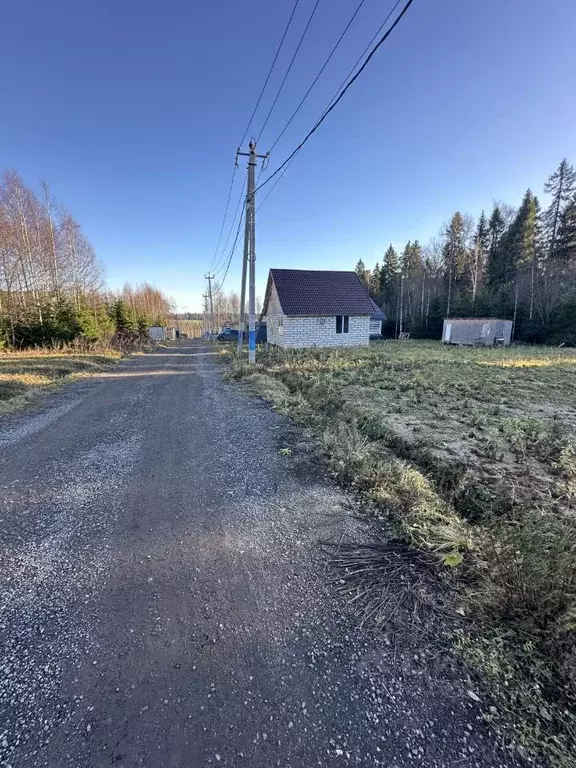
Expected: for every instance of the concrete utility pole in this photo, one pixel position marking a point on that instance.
(250, 253)
(205, 313)
(243, 286)
(210, 278)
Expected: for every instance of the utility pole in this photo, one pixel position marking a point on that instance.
(210, 278)
(205, 313)
(250, 250)
(242, 322)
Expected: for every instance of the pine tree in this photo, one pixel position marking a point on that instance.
(375, 278)
(561, 186)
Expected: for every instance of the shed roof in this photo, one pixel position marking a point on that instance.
(319, 292)
(476, 319)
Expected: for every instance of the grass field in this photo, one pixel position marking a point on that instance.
(471, 454)
(26, 376)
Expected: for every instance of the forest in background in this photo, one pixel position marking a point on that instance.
(518, 264)
(52, 288)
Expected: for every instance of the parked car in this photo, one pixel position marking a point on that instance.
(261, 333)
(228, 334)
(231, 334)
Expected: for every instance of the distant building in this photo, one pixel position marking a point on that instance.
(317, 308)
(157, 333)
(477, 331)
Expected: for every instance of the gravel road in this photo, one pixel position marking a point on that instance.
(163, 600)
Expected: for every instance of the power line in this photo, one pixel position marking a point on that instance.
(342, 84)
(359, 59)
(224, 219)
(288, 70)
(238, 204)
(339, 97)
(273, 187)
(330, 55)
(248, 128)
(219, 289)
(270, 71)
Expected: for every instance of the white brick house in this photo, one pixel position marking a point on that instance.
(317, 308)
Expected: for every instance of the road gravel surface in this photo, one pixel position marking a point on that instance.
(164, 601)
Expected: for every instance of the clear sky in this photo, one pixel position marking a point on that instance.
(132, 111)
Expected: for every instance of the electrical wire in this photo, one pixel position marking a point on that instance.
(342, 84)
(330, 55)
(359, 59)
(224, 249)
(273, 187)
(289, 68)
(224, 219)
(337, 100)
(234, 246)
(278, 49)
(280, 44)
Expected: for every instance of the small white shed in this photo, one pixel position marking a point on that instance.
(157, 333)
(477, 331)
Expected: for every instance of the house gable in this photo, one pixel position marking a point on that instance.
(305, 293)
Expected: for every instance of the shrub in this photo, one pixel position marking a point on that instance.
(530, 576)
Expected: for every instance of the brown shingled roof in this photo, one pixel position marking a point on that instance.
(319, 292)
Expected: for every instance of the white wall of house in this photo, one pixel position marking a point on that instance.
(292, 332)
(274, 318)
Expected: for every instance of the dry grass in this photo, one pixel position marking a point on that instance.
(26, 376)
(470, 455)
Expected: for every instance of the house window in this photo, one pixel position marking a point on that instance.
(342, 323)
(280, 325)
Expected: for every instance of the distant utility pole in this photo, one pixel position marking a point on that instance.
(210, 278)
(205, 313)
(250, 253)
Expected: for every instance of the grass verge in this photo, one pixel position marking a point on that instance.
(28, 375)
(470, 456)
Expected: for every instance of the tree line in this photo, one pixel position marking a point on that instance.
(51, 283)
(518, 264)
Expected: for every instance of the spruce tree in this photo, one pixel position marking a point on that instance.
(519, 249)
(362, 272)
(454, 254)
(122, 316)
(478, 255)
(561, 185)
(390, 269)
(566, 250)
(375, 278)
(390, 282)
(496, 228)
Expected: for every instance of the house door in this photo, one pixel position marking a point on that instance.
(448, 332)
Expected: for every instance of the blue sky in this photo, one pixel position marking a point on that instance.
(132, 111)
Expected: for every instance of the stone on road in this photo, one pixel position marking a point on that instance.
(163, 600)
